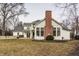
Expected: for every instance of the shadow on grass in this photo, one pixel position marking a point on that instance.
(51, 41)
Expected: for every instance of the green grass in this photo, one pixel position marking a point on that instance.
(21, 47)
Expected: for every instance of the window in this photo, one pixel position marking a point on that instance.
(37, 31)
(28, 34)
(58, 31)
(42, 31)
(54, 31)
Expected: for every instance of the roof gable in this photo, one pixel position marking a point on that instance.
(63, 27)
(18, 28)
(27, 24)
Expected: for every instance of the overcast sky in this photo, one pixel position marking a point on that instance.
(37, 12)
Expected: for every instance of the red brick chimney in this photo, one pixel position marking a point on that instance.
(48, 24)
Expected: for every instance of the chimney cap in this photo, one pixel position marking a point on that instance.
(48, 11)
(48, 14)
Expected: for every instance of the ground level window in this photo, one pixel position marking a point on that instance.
(58, 31)
(54, 31)
(37, 31)
(28, 34)
(42, 31)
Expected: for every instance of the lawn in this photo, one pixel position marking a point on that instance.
(20, 47)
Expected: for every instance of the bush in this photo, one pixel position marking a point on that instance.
(49, 37)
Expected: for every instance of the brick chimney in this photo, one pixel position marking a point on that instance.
(48, 24)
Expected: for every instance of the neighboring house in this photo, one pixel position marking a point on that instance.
(18, 30)
(40, 29)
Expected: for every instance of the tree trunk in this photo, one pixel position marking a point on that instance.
(3, 27)
(76, 25)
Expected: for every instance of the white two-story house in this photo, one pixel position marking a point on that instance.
(41, 28)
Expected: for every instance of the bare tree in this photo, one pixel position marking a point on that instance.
(70, 11)
(9, 11)
(13, 22)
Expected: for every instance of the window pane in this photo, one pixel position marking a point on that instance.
(54, 31)
(37, 31)
(42, 31)
(58, 31)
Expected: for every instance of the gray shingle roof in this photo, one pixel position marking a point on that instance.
(63, 27)
(34, 22)
(37, 21)
(27, 24)
(18, 28)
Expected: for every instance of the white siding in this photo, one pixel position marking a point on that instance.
(55, 24)
(25, 28)
(14, 33)
(39, 37)
(31, 27)
(25, 35)
(31, 34)
(42, 24)
(63, 33)
(58, 37)
(20, 33)
(66, 34)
